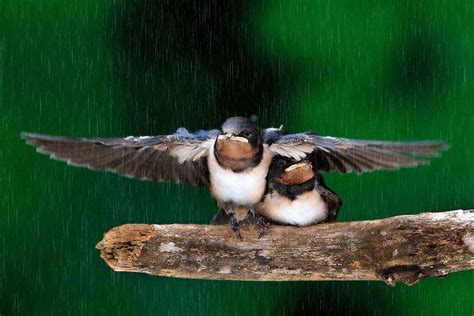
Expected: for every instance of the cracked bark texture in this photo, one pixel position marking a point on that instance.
(396, 249)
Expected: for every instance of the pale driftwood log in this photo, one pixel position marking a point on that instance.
(397, 249)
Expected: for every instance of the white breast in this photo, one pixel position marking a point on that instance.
(242, 188)
(308, 208)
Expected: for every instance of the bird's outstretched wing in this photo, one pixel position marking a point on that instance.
(180, 157)
(347, 155)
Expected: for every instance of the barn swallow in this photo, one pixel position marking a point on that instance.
(232, 161)
(297, 195)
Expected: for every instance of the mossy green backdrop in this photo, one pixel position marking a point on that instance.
(395, 70)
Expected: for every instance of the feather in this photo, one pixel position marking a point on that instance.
(347, 155)
(180, 157)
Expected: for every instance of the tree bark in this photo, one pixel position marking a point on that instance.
(397, 249)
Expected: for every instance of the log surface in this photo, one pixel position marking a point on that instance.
(397, 249)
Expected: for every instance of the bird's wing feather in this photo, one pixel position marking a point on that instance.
(347, 155)
(180, 157)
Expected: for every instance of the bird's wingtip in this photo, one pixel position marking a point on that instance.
(28, 137)
(32, 138)
(444, 146)
(35, 139)
(439, 147)
(25, 135)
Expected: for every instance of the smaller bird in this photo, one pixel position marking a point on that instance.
(297, 195)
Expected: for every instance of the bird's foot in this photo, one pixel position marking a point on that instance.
(262, 224)
(235, 226)
(255, 219)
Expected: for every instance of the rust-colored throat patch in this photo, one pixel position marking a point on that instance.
(235, 150)
(296, 174)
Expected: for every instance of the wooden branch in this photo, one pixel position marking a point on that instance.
(397, 249)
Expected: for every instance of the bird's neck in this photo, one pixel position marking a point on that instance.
(238, 163)
(293, 190)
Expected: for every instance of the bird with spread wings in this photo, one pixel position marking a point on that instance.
(232, 161)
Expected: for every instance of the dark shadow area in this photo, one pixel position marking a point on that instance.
(197, 59)
(16, 294)
(326, 299)
(420, 64)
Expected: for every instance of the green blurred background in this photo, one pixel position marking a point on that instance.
(390, 70)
